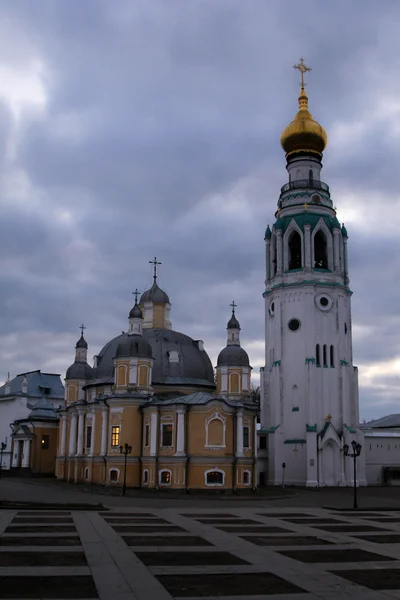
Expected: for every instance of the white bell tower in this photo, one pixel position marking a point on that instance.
(310, 383)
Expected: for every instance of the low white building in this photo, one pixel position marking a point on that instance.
(382, 450)
(18, 397)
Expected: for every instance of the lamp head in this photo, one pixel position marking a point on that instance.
(346, 449)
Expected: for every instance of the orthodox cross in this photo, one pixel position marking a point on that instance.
(295, 450)
(233, 305)
(328, 419)
(82, 328)
(303, 69)
(155, 263)
(136, 294)
(305, 205)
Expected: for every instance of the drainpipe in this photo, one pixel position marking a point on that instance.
(157, 446)
(141, 450)
(105, 456)
(234, 453)
(186, 451)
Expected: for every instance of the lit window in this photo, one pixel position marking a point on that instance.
(165, 477)
(215, 478)
(246, 478)
(246, 437)
(166, 436)
(147, 435)
(45, 442)
(115, 435)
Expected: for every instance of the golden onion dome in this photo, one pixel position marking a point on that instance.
(304, 134)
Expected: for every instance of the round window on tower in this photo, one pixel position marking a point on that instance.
(294, 324)
(272, 309)
(316, 199)
(323, 302)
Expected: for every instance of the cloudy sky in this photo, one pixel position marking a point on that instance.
(130, 129)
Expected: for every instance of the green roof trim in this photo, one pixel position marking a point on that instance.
(310, 360)
(308, 282)
(296, 441)
(307, 218)
(344, 363)
(268, 233)
(344, 231)
(276, 363)
(350, 429)
(324, 195)
(273, 428)
(311, 427)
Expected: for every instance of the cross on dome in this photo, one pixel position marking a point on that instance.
(233, 305)
(155, 262)
(303, 69)
(136, 294)
(82, 328)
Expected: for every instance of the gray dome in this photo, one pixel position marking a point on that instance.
(133, 345)
(43, 409)
(155, 294)
(233, 356)
(79, 370)
(136, 313)
(81, 343)
(233, 323)
(194, 367)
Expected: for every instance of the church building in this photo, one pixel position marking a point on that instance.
(152, 395)
(309, 383)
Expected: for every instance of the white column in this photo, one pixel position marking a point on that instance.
(91, 453)
(104, 427)
(81, 421)
(279, 252)
(153, 434)
(336, 242)
(180, 436)
(72, 435)
(267, 259)
(26, 453)
(307, 246)
(239, 433)
(16, 447)
(255, 438)
(63, 435)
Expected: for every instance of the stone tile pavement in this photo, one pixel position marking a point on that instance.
(236, 552)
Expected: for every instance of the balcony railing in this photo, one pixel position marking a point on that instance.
(305, 183)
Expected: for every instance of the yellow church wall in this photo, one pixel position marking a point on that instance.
(234, 381)
(122, 373)
(197, 475)
(197, 433)
(43, 458)
(159, 315)
(131, 428)
(218, 391)
(179, 390)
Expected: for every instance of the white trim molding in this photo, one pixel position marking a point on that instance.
(160, 474)
(112, 481)
(216, 470)
(216, 416)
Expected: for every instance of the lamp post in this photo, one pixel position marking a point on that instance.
(125, 450)
(354, 455)
(3, 446)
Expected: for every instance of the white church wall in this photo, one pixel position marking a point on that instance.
(382, 449)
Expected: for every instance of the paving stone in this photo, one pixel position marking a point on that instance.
(333, 555)
(280, 515)
(253, 529)
(150, 520)
(348, 528)
(39, 541)
(111, 513)
(179, 559)
(43, 520)
(269, 540)
(40, 529)
(172, 540)
(313, 520)
(147, 528)
(42, 513)
(209, 515)
(390, 538)
(375, 579)
(238, 584)
(236, 521)
(386, 519)
(80, 586)
(46, 559)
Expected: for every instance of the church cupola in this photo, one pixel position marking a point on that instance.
(136, 318)
(233, 365)
(155, 304)
(79, 373)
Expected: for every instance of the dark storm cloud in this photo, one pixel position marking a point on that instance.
(159, 134)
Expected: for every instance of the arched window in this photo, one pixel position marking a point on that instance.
(215, 431)
(165, 477)
(332, 357)
(234, 383)
(320, 251)
(143, 376)
(86, 473)
(246, 477)
(114, 475)
(294, 250)
(215, 477)
(310, 176)
(274, 256)
(325, 356)
(318, 355)
(72, 396)
(121, 375)
(145, 477)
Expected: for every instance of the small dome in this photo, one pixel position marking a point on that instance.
(154, 294)
(43, 409)
(304, 134)
(278, 224)
(79, 370)
(81, 343)
(233, 323)
(136, 313)
(133, 346)
(344, 231)
(268, 233)
(233, 356)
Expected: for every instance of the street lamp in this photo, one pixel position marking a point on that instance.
(125, 450)
(354, 455)
(3, 446)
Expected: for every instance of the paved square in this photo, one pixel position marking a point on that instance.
(171, 552)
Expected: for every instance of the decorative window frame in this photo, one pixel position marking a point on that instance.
(115, 448)
(246, 471)
(167, 420)
(86, 473)
(322, 226)
(113, 481)
(139, 369)
(146, 481)
(213, 471)
(147, 424)
(216, 416)
(246, 423)
(239, 374)
(160, 474)
(117, 371)
(292, 227)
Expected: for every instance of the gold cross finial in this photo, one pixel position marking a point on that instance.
(329, 418)
(305, 205)
(303, 69)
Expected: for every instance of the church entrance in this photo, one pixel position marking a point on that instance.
(330, 464)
